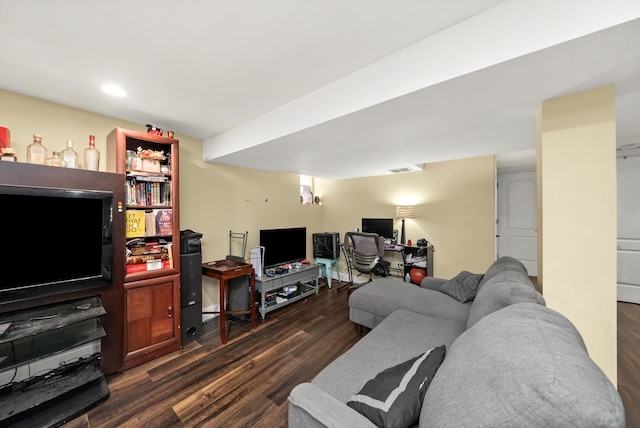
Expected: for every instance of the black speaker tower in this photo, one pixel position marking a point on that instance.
(191, 296)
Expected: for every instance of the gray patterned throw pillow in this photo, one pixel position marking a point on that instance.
(463, 286)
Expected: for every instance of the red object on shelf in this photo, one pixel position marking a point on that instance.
(5, 137)
(417, 275)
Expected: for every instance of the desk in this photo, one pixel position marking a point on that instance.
(223, 270)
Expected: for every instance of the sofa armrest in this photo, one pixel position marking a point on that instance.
(310, 406)
(431, 283)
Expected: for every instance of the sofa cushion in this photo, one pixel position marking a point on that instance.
(373, 302)
(504, 289)
(503, 264)
(401, 336)
(394, 397)
(463, 286)
(523, 366)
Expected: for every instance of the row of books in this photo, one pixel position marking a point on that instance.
(144, 256)
(155, 222)
(148, 190)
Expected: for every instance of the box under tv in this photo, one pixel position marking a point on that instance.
(326, 245)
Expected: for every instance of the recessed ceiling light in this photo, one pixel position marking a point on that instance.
(114, 90)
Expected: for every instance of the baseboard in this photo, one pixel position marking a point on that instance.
(628, 293)
(212, 308)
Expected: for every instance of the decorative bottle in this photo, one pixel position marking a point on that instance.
(56, 160)
(69, 155)
(36, 151)
(91, 155)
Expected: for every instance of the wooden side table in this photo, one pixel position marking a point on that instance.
(224, 270)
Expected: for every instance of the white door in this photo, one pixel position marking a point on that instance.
(516, 224)
(629, 229)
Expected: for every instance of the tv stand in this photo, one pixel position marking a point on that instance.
(50, 363)
(305, 277)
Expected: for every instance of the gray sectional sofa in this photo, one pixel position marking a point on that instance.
(509, 361)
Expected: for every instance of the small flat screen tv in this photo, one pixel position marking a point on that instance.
(54, 237)
(282, 246)
(382, 226)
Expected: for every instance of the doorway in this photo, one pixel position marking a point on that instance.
(516, 228)
(628, 242)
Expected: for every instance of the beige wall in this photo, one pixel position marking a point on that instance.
(577, 213)
(454, 201)
(453, 209)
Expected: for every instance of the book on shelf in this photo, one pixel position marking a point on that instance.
(148, 249)
(164, 221)
(135, 260)
(140, 246)
(146, 177)
(148, 266)
(135, 223)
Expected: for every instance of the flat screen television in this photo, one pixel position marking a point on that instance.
(282, 246)
(54, 237)
(382, 226)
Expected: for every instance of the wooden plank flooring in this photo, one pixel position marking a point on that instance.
(245, 383)
(629, 361)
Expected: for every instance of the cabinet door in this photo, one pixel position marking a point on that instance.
(152, 319)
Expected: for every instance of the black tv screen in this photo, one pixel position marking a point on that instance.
(282, 246)
(382, 226)
(54, 236)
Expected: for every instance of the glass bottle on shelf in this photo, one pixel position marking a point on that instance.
(56, 160)
(91, 155)
(70, 156)
(36, 151)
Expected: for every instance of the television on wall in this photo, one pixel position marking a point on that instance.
(382, 226)
(58, 236)
(282, 246)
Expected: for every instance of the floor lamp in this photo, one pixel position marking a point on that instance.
(403, 212)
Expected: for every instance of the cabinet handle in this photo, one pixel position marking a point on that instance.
(170, 312)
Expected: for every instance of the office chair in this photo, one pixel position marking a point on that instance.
(366, 252)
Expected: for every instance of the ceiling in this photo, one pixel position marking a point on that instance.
(332, 89)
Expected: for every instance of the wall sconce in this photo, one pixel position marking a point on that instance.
(403, 211)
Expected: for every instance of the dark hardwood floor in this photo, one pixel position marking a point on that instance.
(245, 383)
(629, 361)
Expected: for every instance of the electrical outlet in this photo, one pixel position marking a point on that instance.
(400, 265)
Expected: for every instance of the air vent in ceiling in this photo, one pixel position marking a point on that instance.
(409, 168)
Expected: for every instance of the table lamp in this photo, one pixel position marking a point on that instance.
(403, 212)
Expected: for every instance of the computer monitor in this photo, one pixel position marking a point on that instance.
(382, 226)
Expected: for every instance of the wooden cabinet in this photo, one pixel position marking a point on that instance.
(152, 234)
(152, 309)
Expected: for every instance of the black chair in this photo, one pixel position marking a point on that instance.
(365, 252)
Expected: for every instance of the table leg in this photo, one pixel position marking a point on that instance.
(252, 300)
(223, 329)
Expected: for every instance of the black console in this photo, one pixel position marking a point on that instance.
(326, 245)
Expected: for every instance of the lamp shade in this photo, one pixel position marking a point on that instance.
(404, 211)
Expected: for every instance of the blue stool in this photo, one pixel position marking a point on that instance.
(327, 265)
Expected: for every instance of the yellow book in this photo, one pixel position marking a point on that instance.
(134, 223)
